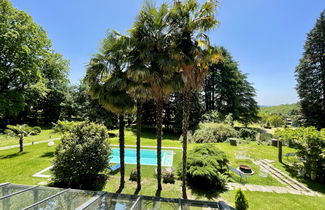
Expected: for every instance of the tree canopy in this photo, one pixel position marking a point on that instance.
(310, 75)
(29, 69)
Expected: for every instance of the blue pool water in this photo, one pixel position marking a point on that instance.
(147, 157)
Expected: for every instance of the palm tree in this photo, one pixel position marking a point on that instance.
(140, 92)
(191, 21)
(108, 83)
(19, 131)
(157, 67)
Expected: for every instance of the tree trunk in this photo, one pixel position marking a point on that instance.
(159, 112)
(21, 143)
(212, 86)
(121, 141)
(186, 110)
(280, 151)
(139, 106)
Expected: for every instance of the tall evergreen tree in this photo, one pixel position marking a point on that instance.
(310, 75)
(227, 90)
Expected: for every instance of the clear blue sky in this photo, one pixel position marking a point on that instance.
(266, 37)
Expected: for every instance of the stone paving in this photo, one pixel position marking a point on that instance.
(292, 185)
(265, 188)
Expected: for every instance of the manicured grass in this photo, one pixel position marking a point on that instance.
(18, 168)
(274, 201)
(147, 138)
(46, 134)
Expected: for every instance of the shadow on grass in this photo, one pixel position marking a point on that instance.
(120, 189)
(13, 155)
(151, 134)
(136, 192)
(313, 185)
(158, 193)
(205, 192)
(48, 154)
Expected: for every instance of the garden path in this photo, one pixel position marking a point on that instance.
(28, 144)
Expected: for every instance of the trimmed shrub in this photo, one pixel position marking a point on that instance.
(241, 201)
(133, 175)
(247, 133)
(81, 157)
(213, 132)
(206, 166)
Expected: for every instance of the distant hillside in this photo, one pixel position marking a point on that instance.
(283, 109)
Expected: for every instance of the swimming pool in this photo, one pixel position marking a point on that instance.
(147, 157)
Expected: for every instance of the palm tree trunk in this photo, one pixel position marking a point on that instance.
(159, 110)
(21, 143)
(280, 151)
(121, 141)
(186, 110)
(139, 107)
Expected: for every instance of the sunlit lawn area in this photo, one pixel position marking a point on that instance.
(18, 168)
(46, 134)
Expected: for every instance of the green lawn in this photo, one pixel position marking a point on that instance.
(6, 140)
(18, 168)
(275, 201)
(147, 139)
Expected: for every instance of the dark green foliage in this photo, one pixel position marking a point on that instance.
(31, 74)
(195, 113)
(247, 133)
(227, 90)
(206, 166)
(81, 157)
(78, 105)
(310, 75)
(133, 175)
(213, 132)
(241, 201)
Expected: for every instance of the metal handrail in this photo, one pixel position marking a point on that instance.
(4, 184)
(135, 203)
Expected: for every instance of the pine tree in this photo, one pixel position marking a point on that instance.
(310, 75)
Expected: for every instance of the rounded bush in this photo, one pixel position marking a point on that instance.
(213, 132)
(81, 157)
(206, 166)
